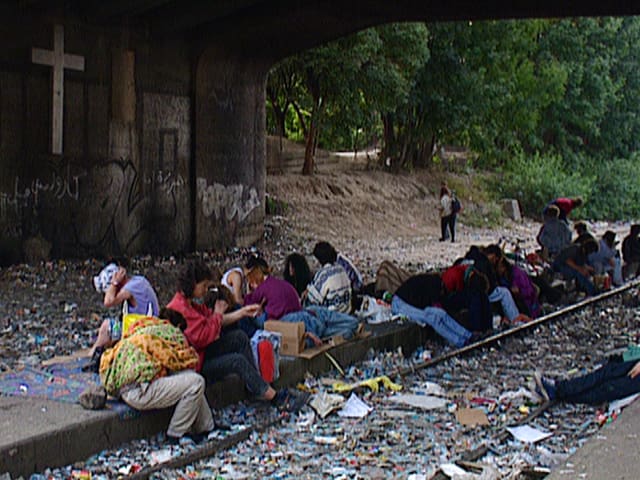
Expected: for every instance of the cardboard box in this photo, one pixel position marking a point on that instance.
(292, 335)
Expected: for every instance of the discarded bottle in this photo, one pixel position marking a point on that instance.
(387, 296)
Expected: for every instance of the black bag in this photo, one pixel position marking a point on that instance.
(456, 206)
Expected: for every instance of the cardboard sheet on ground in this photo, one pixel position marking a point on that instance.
(426, 402)
(471, 416)
(355, 408)
(325, 403)
(528, 434)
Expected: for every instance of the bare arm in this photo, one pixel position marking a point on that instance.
(115, 294)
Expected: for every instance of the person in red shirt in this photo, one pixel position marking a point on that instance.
(566, 206)
(221, 352)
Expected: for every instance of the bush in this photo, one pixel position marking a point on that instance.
(536, 180)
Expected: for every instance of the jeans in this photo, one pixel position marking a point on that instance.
(583, 282)
(231, 353)
(448, 222)
(607, 383)
(503, 295)
(323, 322)
(436, 318)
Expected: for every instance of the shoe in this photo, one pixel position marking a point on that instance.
(545, 387)
(288, 401)
(94, 364)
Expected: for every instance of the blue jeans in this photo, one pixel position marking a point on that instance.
(436, 318)
(607, 383)
(231, 353)
(503, 295)
(323, 322)
(572, 274)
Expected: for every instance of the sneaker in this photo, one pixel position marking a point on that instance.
(545, 387)
(289, 401)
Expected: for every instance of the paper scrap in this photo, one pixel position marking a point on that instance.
(355, 408)
(426, 402)
(471, 416)
(325, 403)
(528, 434)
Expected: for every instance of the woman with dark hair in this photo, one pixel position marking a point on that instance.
(297, 272)
(219, 352)
(520, 285)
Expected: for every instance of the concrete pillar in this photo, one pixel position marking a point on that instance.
(230, 157)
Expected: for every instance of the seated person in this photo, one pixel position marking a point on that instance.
(554, 235)
(330, 286)
(631, 253)
(234, 280)
(220, 352)
(607, 259)
(582, 233)
(572, 263)
(297, 272)
(277, 297)
(522, 288)
(612, 381)
(118, 287)
(416, 298)
(355, 277)
(152, 367)
(486, 260)
(466, 298)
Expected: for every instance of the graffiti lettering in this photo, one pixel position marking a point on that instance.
(168, 182)
(59, 187)
(229, 201)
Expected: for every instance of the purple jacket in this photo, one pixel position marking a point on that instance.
(527, 290)
(280, 297)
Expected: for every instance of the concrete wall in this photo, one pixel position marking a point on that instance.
(123, 183)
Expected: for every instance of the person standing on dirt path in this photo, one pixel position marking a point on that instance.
(447, 215)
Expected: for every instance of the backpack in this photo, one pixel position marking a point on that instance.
(456, 206)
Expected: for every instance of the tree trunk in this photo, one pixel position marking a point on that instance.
(309, 149)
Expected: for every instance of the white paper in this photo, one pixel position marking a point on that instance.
(426, 402)
(622, 402)
(431, 388)
(528, 434)
(355, 408)
(324, 403)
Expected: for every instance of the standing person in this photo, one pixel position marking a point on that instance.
(330, 286)
(153, 367)
(297, 272)
(565, 205)
(118, 287)
(220, 353)
(631, 252)
(447, 215)
(572, 263)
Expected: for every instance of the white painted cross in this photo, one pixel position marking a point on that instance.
(58, 60)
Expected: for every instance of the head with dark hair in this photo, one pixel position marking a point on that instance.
(255, 261)
(256, 270)
(175, 318)
(297, 272)
(444, 190)
(504, 269)
(552, 211)
(577, 201)
(196, 273)
(494, 253)
(325, 253)
(590, 246)
(218, 292)
(634, 231)
(580, 228)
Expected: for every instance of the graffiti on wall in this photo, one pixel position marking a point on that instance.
(31, 194)
(226, 201)
(167, 182)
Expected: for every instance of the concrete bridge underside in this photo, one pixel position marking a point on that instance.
(215, 56)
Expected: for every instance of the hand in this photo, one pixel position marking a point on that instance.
(119, 276)
(314, 338)
(251, 310)
(635, 371)
(221, 306)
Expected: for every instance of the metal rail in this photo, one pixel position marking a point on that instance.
(213, 447)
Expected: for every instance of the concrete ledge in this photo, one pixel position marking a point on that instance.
(36, 434)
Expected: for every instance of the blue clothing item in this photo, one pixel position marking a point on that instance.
(352, 272)
(330, 288)
(554, 235)
(323, 322)
(441, 322)
(607, 383)
(572, 274)
(601, 262)
(503, 295)
(143, 292)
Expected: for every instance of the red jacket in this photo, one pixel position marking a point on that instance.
(453, 278)
(203, 325)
